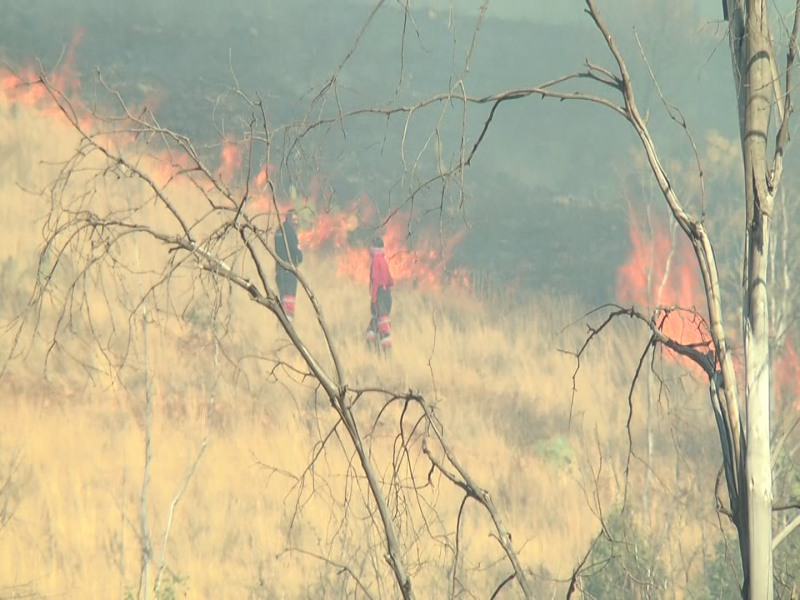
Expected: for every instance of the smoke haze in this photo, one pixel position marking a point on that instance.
(538, 188)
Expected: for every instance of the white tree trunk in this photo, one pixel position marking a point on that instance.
(754, 61)
(757, 457)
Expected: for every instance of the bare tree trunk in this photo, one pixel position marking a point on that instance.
(759, 195)
(144, 581)
(648, 469)
(653, 304)
(394, 555)
(757, 457)
(123, 525)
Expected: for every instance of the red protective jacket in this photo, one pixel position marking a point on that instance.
(379, 274)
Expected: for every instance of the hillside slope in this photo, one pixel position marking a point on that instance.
(72, 428)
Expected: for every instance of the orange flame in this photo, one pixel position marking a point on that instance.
(25, 86)
(231, 160)
(786, 373)
(640, 281)
(422, 265)
(663, 278)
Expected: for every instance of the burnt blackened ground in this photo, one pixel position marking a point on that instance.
(538, 240)
(529, 227)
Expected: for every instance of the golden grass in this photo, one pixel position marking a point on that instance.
(502, 389)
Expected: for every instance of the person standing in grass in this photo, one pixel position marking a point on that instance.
(287, 247)
(379, 332)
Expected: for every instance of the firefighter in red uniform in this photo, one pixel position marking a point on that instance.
(379, 332)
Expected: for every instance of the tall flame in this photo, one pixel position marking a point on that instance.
(659, 273)
(660, 276)
(422, 265)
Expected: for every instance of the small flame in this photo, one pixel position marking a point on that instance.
(231, 160)
(25, 86)
(786, 372)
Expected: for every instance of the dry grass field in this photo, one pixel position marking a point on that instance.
(72, 436)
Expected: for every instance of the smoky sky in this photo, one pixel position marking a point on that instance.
(543, 196)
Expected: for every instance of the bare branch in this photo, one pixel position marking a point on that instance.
(341, 568)
(782, 137)
(478, 493)
(785, 532)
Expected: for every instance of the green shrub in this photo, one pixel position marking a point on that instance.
(723, 573)
(623, 565)
(556, 450)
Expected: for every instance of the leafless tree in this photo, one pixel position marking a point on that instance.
(94, 231)
(742, 415)
(743, 428)
(745, 441)
(217, 237)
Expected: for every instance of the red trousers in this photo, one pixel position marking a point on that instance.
(379, 332)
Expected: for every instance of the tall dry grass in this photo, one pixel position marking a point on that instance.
(501, 386)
